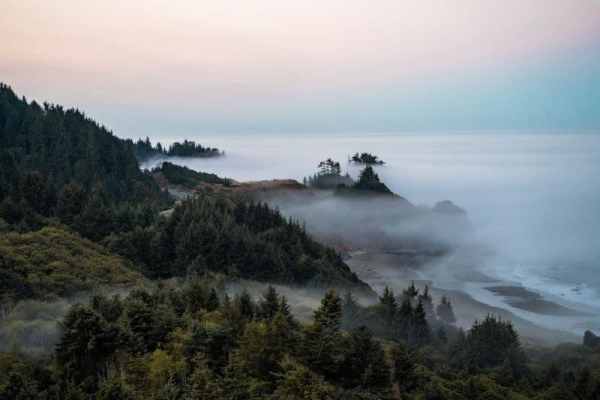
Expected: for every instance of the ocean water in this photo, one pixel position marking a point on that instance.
(534, 198)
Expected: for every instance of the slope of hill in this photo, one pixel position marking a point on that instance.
(52, 262)
(242, 239)
(66, 146)
(57, 164)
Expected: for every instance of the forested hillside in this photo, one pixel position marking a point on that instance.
(51, 262)
(64, 146)
(197, 342)
(242, 239)
(60, 167)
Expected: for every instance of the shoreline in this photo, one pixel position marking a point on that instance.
(474, 299)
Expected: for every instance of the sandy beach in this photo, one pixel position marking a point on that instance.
(473, 295)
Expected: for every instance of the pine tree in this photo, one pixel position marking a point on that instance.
(388, 304)
(364, 364)
(426, 300)
(411, 292)
(322, 340)
(350, 311)
(245, 305)
(445, 312)
(270, 304)
(403, 366)
(212, 303)
(329, 314)
(420, 332)
(404, 319)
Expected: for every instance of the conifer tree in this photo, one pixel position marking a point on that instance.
(420, 332)
(426, 300)
(350, 311)
(270, 304)
(403, 365)
(212, 303)
(445, 312)
(404, 319)
(245, 305)
(322, 339)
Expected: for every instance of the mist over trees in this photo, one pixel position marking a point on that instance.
(63, 167)
(197, 341)
(76, 213)
(144, 149)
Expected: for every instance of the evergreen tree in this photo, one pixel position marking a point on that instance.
(270, 304)
(411, 292)
(445, 312)
(329, 314)
(364, 364)
(403, 366)
(420, 332)
(212, 303)
(245, 305)
(322, 339)
(404, 321)
(350, 311)
(426, 300)
(87, 344)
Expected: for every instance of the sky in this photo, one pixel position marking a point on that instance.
(190, 67)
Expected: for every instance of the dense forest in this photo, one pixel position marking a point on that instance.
(185, 177)
(243, 239)
(62, 169)
(78, 214)
(197, 342)
(144, 149)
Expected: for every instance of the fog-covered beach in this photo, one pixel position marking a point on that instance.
(533, 199)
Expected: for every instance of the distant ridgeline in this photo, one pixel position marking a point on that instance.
(329, 176)
(61, 169)
(185, 177)
(144, 149)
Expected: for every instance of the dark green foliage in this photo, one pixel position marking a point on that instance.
(366, 158)
(369, 181)
(590, 339)
(329, 176)
(329, 167)
(180, 175)
(490, 343)
(364, 363)
(425, 299)
(59, 163)
(269, 305)
(351, 312)
(404, 369)
(323, 336)
(52, 262)
(212, 303)
(88, 343)
(145, 346)
(145, 149)
(445, 312)
(387, 303)
(419, 333)
(248, 240)
(66, 147)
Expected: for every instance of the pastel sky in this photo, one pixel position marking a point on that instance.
(152, 67)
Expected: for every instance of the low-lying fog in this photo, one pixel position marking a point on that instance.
(533, 199)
